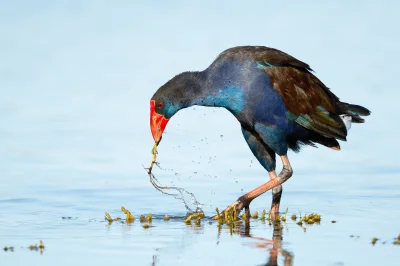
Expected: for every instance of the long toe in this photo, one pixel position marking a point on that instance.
(238, 205)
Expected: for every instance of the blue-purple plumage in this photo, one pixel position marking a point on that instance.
(279, 103)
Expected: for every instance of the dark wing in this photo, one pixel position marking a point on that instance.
(308, 101)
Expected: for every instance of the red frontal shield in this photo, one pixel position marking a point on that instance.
(157, 122)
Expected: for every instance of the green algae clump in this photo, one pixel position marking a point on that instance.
(129, 217)
(255, 215)
(198, 215)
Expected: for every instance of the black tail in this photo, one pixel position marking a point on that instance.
(355, 111)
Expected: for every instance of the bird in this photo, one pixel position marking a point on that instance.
(279, 102)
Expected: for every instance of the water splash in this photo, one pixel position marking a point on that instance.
(188, 198)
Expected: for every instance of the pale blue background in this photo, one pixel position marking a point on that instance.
(76, 78)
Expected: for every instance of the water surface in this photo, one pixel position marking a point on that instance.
(48, 195)
(76, 78)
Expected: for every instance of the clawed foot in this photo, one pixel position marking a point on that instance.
(238, 205)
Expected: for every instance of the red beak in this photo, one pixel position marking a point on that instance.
(157, 122)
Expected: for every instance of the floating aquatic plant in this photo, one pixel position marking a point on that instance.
(129, 217)
(110, 219)
(8, 249)
(144, 219)
(198, 221)
(37, 247)
(307, 219)
(310, 219)
(255, 215)
(263, 215)
(192, 216)
(283, 218)
(218, 214)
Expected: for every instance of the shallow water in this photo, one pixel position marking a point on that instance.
(47, 196)
(75, 82)
(62, 171)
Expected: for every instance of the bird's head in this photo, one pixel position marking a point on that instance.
(178, 93)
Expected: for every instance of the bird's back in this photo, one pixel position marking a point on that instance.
(308, 102)
(261, 53)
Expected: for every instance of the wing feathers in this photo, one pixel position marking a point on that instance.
(307, 100)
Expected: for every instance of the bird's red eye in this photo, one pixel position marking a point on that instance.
(160, 104)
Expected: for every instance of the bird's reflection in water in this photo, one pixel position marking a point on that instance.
(277, 249)
(274, 245)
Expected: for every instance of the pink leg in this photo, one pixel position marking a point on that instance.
(275, 181)
(276, 196)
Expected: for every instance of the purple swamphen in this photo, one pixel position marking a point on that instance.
(278, 102)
